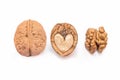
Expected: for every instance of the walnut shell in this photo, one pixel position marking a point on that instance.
(30, 38)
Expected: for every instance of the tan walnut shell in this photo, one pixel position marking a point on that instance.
(30, 38)
(64, 38)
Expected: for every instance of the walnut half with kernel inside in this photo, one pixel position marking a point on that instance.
(64, 38)
(96, 40)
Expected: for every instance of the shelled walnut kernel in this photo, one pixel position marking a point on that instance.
(101, 39)
(96, 40)
(90, 43)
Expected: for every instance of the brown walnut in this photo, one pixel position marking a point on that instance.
(30, 38)
(96, 40)
(64, 38)
(101, 39)
(90, 43)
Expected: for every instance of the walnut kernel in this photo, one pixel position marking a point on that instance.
(96, 40)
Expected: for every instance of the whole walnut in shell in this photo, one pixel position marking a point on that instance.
(30, 38)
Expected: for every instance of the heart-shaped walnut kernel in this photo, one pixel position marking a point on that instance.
(63, 44)
(64, 38)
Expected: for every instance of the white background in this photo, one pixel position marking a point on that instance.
(80, 65)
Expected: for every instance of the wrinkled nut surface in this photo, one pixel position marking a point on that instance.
(64, 38)
(30, 38)
(101, 39)
(90, 43)
(96, 40)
